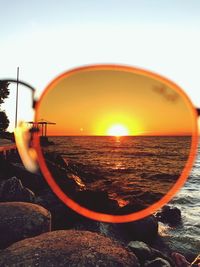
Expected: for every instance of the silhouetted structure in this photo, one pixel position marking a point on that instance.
(36, 126)
(41, 124)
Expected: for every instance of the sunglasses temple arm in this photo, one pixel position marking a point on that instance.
(24, 84)
(23, 135)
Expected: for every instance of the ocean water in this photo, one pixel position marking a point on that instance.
(186, 237)
(144, 168)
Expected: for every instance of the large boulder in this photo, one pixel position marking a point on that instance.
(68, 248)
(19, 220)
(13, 190)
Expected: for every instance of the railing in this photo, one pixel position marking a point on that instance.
(7, 149)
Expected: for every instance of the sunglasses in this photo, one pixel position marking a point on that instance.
(114, 143)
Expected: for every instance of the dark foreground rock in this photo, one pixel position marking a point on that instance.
(62, 216)
(68, 248)
(98, 201)
(148, 256)
(158, 262)
(14, 167)
(13, 190)
(19, 220)
(169, 215)
(144, 230)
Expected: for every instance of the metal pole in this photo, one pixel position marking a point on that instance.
(16, 111)
(42, 129)
(45, 130)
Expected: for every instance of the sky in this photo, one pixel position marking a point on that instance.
(46, 38)
(93, 101)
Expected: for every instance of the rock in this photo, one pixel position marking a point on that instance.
(14, 167)
(146, 253)
(72, 184)
(13, 190)
(142, 251)
(158, 262)
(136, 204)
(142, 230)
(6, 168)
(170, 215)
(68, 248)
(19, 220)
(34, 181)
(60, 174)
(160, 244)
(98, 201)
(62, 216)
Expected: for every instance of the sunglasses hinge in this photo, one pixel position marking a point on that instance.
(34, 103)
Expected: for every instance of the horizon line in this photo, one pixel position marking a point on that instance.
(92, 135)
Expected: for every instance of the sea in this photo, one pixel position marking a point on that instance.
(143, 167)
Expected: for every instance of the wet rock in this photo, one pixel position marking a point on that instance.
(63, 179)
(141, 250)
(13, 190)
(161, 248)
(136, 204)
(73, 185)
(146, 253)
(56, 159)
(158, 262)
(19, 220)
(142, 230)
(62, 216)
(97, 201)
(170, 215)
(68, 248)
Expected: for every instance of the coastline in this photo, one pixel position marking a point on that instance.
(35, 190)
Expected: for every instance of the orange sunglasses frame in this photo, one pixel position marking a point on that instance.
(154, 207)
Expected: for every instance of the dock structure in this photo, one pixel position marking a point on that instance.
(7, 149)
(41, 125)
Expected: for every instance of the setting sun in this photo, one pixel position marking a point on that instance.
(118, 130)
(114, 102)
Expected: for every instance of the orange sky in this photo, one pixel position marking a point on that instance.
(89, 102)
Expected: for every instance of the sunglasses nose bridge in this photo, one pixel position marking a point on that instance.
(28, 154)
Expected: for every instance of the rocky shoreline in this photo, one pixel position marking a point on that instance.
(37, 229)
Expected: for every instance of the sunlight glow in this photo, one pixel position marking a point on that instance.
(118, 130)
